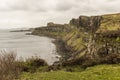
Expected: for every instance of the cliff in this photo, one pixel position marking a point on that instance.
(93, 38)
(89, 24)
(52, 30)
(98, 24)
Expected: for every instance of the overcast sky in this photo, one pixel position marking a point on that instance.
(33, 13)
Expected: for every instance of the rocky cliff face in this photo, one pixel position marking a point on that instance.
(102, 31)
(89, 24)
(96, 36)
(99, 24)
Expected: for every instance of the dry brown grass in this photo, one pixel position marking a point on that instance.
(9, 66)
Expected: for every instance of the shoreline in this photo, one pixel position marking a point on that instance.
(54, 40)
(27, 46)
(60, 49)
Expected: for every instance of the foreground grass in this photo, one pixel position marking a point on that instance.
(100, 72)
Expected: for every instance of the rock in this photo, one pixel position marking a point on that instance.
(88, 23)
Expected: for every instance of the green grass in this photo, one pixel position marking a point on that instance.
(110, 22)
(100, 72)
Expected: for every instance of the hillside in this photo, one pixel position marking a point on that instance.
(89, 49)
(93, 38)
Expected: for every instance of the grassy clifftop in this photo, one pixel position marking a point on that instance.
(110, 22)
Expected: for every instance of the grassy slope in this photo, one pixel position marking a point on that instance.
(100, 72)
(74, 39)
(110, 22)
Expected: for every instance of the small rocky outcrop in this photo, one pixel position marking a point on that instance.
(51, 24)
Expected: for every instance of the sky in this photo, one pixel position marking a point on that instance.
(36, 13)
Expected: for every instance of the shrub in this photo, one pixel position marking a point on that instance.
(9, 67)
(32, 64)
(112, 58)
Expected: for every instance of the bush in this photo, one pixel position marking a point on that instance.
(9, 67)
(32, 64)
(111, 59)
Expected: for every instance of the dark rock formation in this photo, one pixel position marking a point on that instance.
(84, 22)
(74, 22)
(95, 22)
(89, 24)
(110, 34)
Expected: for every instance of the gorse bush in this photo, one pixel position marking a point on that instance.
(9, 66)
(32, 64)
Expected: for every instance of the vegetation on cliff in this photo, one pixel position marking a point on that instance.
(88, 38)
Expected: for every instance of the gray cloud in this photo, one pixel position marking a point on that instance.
(25, 5)
(59, 5)
(39, 12)
(65, 5)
